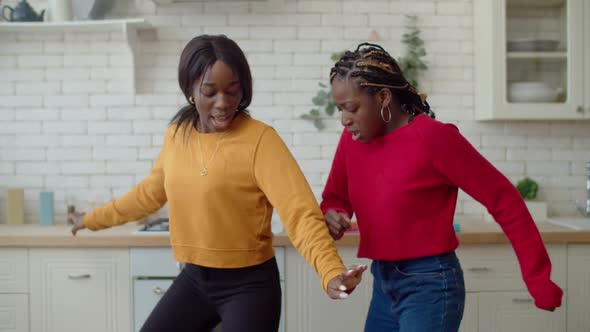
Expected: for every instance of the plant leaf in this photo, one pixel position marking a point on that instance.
(317, 100)
(330, 109)
(318, 124)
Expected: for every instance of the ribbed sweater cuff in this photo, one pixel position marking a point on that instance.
(547, 294)
(331, 274)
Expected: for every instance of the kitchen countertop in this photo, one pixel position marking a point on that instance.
(475, 232)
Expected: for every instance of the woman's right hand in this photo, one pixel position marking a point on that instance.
(77, 219)
(341, 286)
(338, 223)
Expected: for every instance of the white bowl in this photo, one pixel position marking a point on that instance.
(532, 92)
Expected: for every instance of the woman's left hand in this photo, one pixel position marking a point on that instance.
(345, 283)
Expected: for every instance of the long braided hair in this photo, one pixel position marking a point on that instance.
(376, 70)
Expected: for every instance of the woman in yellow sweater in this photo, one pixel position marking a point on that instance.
(222, 173)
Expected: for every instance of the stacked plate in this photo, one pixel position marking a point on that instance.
(532, 45)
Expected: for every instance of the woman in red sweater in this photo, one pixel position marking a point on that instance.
(399, 170)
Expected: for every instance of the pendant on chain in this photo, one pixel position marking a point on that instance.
(204, 171)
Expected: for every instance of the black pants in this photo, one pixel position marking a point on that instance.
(243, 299)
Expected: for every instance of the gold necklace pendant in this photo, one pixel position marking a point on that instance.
(204, 169)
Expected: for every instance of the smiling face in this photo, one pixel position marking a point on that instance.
(217, 95)
(359, 111)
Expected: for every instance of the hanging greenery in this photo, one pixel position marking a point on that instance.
(411, 63)
(322, 101)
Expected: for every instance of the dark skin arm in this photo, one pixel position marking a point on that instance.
(345, 283)
(338, 223)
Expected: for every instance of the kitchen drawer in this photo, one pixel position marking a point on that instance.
(14, 313)
(142, 262)
(79, 290)
(153, 262)
(515, 311)
(14, 271)
(495, 267)
(280, 257)
(146, 294)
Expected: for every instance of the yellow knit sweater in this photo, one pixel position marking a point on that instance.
(222, 219)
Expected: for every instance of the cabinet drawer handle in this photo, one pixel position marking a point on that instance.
(79, 276)
(580, 109)
(479, 269)
(159, 291)
(522, 300)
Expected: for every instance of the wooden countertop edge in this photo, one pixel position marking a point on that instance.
(130, 240)
(567, 237)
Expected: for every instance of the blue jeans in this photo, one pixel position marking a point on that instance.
(417, 295)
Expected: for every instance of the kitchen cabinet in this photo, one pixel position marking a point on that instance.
(515, 311)
(308, 307)
(14, 289)
(578, 283)
(80, 290)
(529, 59)
(470, 319)
(146, 294)
(496, 299)
(494, 268)
(151, 281)
(14, 310)
(14, 271)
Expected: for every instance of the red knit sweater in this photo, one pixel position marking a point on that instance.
(403, 187)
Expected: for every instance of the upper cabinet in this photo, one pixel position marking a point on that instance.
(530, 59)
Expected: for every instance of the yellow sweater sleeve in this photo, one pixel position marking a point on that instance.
(282, 181)
(145, 198)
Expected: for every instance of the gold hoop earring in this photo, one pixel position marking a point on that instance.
(191, 100)
(383, 116)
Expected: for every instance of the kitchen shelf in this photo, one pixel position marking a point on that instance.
(74, 26)
(127, 27)
(536, 3)
(537, 55)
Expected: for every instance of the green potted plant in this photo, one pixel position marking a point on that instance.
(528, 189)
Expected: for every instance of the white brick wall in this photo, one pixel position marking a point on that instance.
(70, 123)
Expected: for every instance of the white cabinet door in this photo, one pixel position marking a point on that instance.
(578, 288)
(518, 78)
(14, 313)
(516, 312)
(495, 267)
(469, 322)
(146, 294)
(80, 290)
(308, 307)
(14, 271)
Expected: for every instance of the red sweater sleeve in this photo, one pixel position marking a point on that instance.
(335, 195)
(465, 168)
